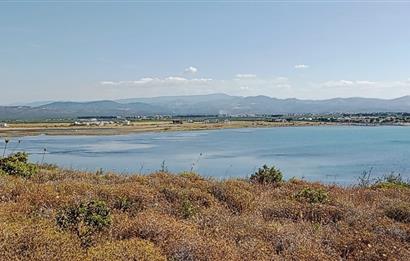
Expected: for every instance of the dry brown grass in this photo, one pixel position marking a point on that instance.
(186, 217)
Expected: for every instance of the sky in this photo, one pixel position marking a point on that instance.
(92, 50)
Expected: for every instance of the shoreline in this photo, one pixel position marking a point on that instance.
(67, 129)
(63, 129)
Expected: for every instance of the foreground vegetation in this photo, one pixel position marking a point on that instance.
(47, 213)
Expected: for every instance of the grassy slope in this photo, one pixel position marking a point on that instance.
(186, 217)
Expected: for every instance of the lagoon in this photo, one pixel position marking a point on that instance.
(331, 154)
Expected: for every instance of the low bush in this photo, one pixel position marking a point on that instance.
(85, 220)
(312, 195)
(185, 217)
(17, 165)
(267, 175)
(399, 212)
(127, 204)
(236, 195)
(323, 214)
(171, 194)
(133, 249)
(188, 210)
(37, 240)
(295, 212)
(191, 175)
(391, 181)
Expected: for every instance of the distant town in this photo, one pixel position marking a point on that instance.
(367, 119)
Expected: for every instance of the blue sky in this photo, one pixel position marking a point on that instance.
(105, 50)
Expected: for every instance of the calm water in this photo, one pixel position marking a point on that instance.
(328, 154)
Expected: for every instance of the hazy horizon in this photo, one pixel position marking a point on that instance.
(41, 102)
(107, 51)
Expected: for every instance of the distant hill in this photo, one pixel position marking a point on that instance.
(78, 109)
(183, 99)
(203, 104)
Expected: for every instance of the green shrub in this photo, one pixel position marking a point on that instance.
(267, 175)
(129, 204)
(188, 210)
(391, 181)
(399, 212)
(312, 195)
(85, 220)
(17, 165)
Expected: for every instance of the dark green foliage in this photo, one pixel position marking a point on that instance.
(188, 210)
(127, 204)
(399, 212)
(312, 195)
(267, 175)
(17, 165)
(85, 220)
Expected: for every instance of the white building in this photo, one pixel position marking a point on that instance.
(92, 122)
(3, 125)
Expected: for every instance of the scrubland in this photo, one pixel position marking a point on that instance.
(55, 214)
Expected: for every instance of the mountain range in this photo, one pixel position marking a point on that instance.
(200, 105)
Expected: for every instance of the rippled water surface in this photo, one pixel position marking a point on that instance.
(328, 154)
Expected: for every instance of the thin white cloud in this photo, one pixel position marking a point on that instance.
(250, 85)
(354, 88)
(366, 82)
(108, 83)
(175, 78)
(245, 76)
(140, 81)
(143, 80)
(156, 81)
(347, 83)
(282, 79)
(246, 85)
(301, 66)
(191, 70)
(338, 83)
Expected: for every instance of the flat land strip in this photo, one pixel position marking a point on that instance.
(32, 129)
